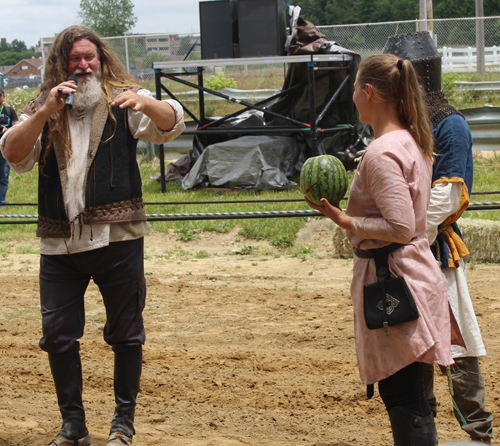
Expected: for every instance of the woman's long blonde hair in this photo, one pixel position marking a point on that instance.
(396, 82)
(113, 77)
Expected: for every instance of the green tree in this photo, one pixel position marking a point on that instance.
(330, 12)
(152, 56)
(11, 58)
(444, 9)
(338, 12)
(135, 50)
(17, 46)
(108, 17)
(185, 45)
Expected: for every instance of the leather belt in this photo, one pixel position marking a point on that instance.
(367, 253)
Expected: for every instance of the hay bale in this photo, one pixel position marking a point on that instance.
(482, 237)
(325, 234)
(342, 249)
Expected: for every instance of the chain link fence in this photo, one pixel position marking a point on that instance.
(460, 41)
(455, 38)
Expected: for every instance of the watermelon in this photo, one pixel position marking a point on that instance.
(323, 176)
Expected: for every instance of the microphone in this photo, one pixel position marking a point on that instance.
(69, 99)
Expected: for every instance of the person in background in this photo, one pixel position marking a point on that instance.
(8, 118)
(452, 180)
(387, 209)
(91, 214)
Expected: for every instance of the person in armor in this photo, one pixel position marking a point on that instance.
(82, 130)
(451, 187)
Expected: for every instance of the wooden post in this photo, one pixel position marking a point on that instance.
(430, 16)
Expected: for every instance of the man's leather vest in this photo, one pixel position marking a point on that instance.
(113, 188)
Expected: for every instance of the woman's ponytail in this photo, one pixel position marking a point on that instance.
(396, 82)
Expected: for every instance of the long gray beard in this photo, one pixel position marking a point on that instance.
(88, 95)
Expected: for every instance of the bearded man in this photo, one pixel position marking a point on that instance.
(91, 214)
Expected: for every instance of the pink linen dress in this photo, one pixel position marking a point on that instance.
(388, 202)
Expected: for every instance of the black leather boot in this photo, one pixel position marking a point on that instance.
(67, 376)
(128, 367)
(412, 429)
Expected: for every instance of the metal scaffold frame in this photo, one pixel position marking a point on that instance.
(205, 127)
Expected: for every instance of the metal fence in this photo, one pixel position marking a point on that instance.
(455, 38)
(458, 40)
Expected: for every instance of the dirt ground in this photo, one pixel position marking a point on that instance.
(245, 346)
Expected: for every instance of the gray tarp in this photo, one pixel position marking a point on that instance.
(257, 162)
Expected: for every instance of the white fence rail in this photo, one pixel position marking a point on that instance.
(479, 86)
(465, 59)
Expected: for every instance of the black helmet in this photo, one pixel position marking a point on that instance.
(420, 49)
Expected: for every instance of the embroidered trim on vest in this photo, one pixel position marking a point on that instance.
(128, 210)
(48, 227)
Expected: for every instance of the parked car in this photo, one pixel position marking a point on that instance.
(22, 82)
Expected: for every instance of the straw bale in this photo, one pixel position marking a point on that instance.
(482, 237)
(342, 249)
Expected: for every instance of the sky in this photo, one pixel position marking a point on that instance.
(28, 20)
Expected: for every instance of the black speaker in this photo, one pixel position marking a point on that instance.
(262, 27)
(218, 29)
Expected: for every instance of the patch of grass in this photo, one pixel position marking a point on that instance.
(202, 254)
(17, 98)
(186, 234)
(301, 251)
(246, 250)
(28, 249)
(486, 179)
(460, 98)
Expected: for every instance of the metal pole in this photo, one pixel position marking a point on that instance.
(480, 36)
(332, 99)
(312, 109)
(43, 57)
(201, 95)
(423, 15)
(126, 55)
(160, 146)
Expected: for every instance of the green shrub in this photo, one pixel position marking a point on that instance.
(219, 82)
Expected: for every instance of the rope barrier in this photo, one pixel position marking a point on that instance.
(243, 215)
(18, 216)
(173, 203)
(482, 203)
(486, 193)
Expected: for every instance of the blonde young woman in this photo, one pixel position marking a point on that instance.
(388, 204)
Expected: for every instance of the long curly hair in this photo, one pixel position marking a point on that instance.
(113, 77)
(397, 83)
